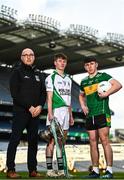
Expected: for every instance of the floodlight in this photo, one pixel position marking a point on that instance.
(119, 58)
(52, 44)
(8, 13)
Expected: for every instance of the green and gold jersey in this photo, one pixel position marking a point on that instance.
(95, 104)
(61, 87)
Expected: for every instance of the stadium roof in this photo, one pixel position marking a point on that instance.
(44, 36)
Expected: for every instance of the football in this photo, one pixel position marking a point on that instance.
(103, 86)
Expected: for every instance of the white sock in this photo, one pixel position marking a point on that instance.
(109, 168)
(96, 169)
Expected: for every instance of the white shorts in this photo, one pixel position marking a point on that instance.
(62, 115)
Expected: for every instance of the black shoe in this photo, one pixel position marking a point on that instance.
(107, 175)
(35, 174)
(92, 175)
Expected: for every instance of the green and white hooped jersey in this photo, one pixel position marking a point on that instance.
(96, 105)
(61, 87)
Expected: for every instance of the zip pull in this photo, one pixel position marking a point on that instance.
(93, 119)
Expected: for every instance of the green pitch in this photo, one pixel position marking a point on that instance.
(77, 175)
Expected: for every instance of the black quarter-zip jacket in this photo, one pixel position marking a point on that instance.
(27, 87)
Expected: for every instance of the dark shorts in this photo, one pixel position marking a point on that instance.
(97, 122)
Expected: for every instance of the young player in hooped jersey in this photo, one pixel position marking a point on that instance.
(58, 87)
(98, 119)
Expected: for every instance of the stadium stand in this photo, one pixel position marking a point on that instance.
(5, 97)
(119, 134)
(44, 35)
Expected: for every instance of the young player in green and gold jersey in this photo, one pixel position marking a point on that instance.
(95, 106)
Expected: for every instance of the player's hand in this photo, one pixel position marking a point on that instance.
(50, 117)
(103, 94)
(85, 110)
(71, 121)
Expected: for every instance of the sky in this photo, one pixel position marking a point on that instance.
(103, 15)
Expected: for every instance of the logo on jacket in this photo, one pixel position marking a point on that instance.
(26, 77)
(37, 78)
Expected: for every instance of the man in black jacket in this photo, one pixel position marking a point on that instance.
(27, 87)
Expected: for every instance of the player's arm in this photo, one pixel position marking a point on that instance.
(49, 89)
(49, 102)
(71, 119)
(115, 86)
(82, 100)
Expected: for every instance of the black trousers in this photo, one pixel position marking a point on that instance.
(21, 121)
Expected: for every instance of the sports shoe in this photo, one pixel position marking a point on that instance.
(92, 175)
(35, 174)
(51, 173)
(107, 175)
(61, 173)
(13, 175)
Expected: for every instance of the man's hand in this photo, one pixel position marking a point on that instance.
(31, 110)
(35, 111)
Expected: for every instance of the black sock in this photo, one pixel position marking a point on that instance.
(49, 162)
(60, 163)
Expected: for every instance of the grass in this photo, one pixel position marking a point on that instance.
(77, 175)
